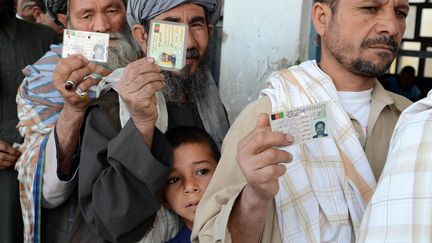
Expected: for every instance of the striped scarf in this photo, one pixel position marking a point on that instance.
(39, 106)
(325, 190)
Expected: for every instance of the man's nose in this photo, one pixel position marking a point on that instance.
(389, 24)
(101, 24)
(191, 41)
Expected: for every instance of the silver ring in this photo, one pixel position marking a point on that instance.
(82, 94)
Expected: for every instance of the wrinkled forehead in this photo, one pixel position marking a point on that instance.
(182, 11)
(95, 5)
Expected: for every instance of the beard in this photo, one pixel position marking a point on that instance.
(122, 53)
(341, 50)
(6, 11)
(186, 87)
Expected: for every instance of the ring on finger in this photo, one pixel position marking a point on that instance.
(69, 85)
(82, 94)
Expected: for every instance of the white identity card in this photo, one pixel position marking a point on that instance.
(167, 44)
(303, 123)
(92, 45)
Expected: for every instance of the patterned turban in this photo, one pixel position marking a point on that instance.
(140, 11)
(54, 7)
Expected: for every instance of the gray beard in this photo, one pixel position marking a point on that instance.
(186, 87)
(122, 53)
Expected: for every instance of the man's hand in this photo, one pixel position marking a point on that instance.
(260, 161)
(74, 68)
(137, 88)
(8, 155)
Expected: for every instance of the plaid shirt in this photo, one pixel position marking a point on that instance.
(401, 207)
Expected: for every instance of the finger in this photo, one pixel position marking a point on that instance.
(139, 67)
(269, 173)
(79, 74)
(263, 120)
(143, 80)
(150, 89)
(271, 156)
(85, 85)
(66, 66)
(266, 139)
(8, 157)
(7, 148)
(6, 164)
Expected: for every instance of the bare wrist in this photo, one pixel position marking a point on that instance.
(253, 201)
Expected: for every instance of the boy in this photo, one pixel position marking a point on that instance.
(195, 159)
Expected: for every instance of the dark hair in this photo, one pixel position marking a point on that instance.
(408, 70)
(187, 134)
(332, 3)
(319, 122)
(7, 11)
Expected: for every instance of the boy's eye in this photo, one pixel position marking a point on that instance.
(202, 172)
(173, 180)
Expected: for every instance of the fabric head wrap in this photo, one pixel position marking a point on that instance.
(140, 11)
(54, 7)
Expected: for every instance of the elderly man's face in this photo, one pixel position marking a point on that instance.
(98, 16)
(194, 16)
(364, 35)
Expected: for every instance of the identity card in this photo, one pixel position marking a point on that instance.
(92, 45)
(303, 123)
(167, 44)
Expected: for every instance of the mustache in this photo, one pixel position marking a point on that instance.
(192, 53)
(383, 40)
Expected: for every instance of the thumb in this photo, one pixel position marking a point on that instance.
(263, 120)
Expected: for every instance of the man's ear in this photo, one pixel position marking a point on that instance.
(140, 35)
(63, 19)
(37, 14)
(321, 17)
(210, 29)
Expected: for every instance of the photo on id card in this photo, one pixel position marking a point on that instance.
(303, 123)
(92, 45)
(167, 44)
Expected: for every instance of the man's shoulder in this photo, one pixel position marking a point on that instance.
(37, 30)
(261, 105)
(399, 101)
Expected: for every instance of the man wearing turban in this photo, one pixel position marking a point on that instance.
(50, 117)
(124, 163)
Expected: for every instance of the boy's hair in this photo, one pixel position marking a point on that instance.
(187, 134)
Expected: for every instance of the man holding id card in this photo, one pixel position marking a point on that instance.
(125, 159)
(305, 170)
(51, 116)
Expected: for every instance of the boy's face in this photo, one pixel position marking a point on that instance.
(193, 168)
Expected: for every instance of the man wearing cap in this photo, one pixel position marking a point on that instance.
(56, 153)
(124, 164)
(51, 115)
(53, 14)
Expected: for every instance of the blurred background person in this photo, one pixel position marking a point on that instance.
(21, 43)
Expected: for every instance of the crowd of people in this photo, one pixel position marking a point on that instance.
(124, 151)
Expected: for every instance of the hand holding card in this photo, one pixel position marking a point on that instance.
(92, 45)
(167, 44)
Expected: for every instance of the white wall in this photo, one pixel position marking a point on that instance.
(259, 37)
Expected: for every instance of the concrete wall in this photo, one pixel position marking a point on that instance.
(259, 37)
